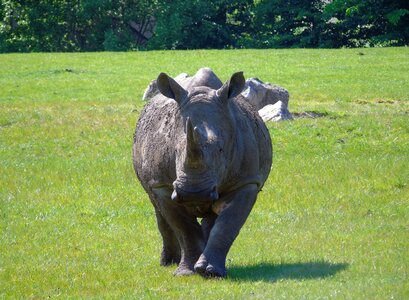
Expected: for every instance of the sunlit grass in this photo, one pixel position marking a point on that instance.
(332, 220)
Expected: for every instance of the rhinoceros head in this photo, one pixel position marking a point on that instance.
(205, 143)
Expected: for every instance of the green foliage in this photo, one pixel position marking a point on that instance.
(85, 25)
(395, 16)
(94, 25)
(331, 221)
(185, 24)
(352, 23)
(286, 24)
(357, 23)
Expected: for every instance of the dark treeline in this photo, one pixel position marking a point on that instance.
(95, 25)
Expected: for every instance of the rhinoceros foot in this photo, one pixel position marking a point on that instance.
(183, 270)
(210, 269)
(167, 258)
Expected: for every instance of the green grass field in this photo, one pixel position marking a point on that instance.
(332, 220)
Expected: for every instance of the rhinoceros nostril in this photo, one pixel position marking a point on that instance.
(214, 195)
(174, 196)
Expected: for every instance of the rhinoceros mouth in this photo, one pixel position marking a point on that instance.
(194, 194)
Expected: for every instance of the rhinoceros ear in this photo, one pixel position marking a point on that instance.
(233, 87)
(170, 88)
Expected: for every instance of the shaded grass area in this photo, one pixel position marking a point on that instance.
(331, 222)
(298, 271)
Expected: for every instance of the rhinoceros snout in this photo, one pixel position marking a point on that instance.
(207, 195)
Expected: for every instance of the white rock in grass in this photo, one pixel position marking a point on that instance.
(270, 100)
(275, 112)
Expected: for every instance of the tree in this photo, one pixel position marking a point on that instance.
(357, 23)
(284, 23)
(95, 25)
(187, 24)
(79, 25)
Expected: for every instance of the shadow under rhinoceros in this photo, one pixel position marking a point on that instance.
(297, 271)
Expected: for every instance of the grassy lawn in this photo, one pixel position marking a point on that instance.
(332, 220)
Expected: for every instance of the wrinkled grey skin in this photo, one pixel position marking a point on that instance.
(201, 151)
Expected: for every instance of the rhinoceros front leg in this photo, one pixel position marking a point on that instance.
(207, 225)
(187, 231)
(212, 261)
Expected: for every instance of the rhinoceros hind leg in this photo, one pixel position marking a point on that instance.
(167, 259)
(171, 248)
(169, 256)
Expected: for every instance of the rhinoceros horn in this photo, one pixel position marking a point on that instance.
(170, 88)
(193, 151)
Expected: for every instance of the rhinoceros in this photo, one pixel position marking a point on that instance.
(201, 151)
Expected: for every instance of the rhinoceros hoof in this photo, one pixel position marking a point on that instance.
(183, 271)
(167, 259)
(206, 269)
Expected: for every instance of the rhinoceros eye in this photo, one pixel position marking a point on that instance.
(221, 150)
